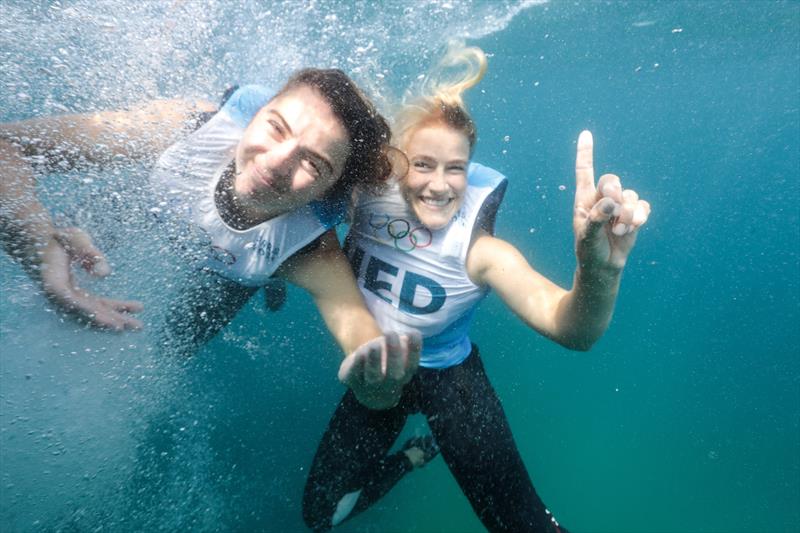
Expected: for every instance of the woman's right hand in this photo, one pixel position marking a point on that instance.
(377, 370)
(26, 228)
(72, 245)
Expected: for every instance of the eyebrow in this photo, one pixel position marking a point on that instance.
(311, 152)
(451, 162)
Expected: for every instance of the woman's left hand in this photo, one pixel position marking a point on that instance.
(606, 217)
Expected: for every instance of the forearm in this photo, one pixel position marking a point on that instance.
(326, 274)
(351, 325)
(25, 225)
(585, 312)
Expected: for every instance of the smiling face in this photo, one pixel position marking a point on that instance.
(437, 176)
(292, 152)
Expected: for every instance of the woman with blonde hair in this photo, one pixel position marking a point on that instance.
(425, 256)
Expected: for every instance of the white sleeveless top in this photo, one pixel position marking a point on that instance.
(413, 278)
(186, 177)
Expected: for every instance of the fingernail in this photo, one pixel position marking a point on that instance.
(620, 229)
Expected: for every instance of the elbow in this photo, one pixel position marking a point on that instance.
(581, 339)
(584, 347)
(577, 344)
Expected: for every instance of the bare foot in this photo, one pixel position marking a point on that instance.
(420, 450)
(416, 456)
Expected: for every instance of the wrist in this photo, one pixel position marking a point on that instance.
(24, 239)
(598, 276)
(38, 236)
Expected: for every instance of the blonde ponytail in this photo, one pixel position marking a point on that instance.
(440, 97)
(461, 68)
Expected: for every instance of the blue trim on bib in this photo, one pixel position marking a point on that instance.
(454, 338)
(246, 102)
(481, 176)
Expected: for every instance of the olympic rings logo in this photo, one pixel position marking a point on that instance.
(406, 239)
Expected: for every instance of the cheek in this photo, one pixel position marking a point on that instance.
(304, 184)
(245, 152)
(312, 189)
(238, 157)
(407, 193)
(460, 187)
(411, 184)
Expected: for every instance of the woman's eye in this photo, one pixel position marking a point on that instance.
(312, 168)
(276, 126)
(457, 169)
(421, 164)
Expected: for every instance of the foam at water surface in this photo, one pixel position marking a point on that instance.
(85, 55)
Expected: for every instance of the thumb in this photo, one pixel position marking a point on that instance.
(599, 216)
(80, 248)
(351, 367)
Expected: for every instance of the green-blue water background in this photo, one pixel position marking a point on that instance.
(684, 417)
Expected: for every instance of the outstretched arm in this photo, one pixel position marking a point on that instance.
(606, 220)
(27, 232)
(377, 366)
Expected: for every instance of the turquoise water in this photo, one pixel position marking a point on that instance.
(685, 417)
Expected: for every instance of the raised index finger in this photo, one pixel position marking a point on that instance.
(584, 169)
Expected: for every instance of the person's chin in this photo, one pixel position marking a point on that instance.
(433, 219)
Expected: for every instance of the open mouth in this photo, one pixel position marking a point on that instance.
(435, 202)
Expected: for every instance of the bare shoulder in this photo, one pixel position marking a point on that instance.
(162, 112)
(165, 113)
(145, 129)
(152, 118)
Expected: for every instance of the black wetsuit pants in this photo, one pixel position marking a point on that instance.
(472, 431)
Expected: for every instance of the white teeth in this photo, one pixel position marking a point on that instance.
(434, 202)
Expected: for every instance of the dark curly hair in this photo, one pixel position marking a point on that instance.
(369, 133)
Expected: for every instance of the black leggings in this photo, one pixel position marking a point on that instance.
(469, 425)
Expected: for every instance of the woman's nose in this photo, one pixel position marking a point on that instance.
(438, 182)
(282, 159)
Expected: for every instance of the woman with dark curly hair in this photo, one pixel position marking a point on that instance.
(250, 192)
